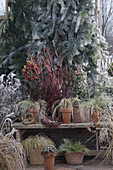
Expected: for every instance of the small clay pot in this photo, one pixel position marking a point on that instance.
(49, 159)
(74, 158)
(96, 116)
(66, 115)
(35, 114)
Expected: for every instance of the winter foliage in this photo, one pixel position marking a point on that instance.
(9, 94)
(66, 25)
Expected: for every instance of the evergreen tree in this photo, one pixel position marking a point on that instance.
(32, 24)
(15, 34)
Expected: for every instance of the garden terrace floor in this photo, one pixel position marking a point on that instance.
(88, 165)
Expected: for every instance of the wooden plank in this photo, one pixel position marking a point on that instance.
(100, 153)
(72, 133)
(18, 136)
(19, 125)
(2, 17)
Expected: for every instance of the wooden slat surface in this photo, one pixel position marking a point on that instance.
(19, 125)
(100, 153)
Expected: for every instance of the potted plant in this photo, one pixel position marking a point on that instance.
(81, 113)
(66, 106)
(27, 110)
(73, 152)
(33, 146)
(49, 153)
(97, 105)
(96, 110)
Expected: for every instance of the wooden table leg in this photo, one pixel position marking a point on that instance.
(18, 138)
(97, 140)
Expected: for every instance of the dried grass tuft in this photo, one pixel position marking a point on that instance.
(11, 154)
(106, 132)
(36, 142)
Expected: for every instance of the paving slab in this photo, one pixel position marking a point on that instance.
(87, 165)
(61, 166)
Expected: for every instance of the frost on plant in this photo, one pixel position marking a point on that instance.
(9, 86)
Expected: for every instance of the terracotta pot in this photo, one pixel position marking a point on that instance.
(49, 161)
(96, 116)
(74, 158)
(35, 114)
(66, 115)
(35, 157)
(81, 115)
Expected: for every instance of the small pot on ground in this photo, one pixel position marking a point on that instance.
(74, 158)
(49, 153)
(73, 152)
(49, 160)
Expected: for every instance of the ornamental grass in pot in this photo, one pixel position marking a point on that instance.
(49, 153)
(96, 109)
(73, 152)
(25, 109)
(66, 106)
(98, 104)
(31, 112)
(33, 146)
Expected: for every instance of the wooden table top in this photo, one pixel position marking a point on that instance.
(19, 125)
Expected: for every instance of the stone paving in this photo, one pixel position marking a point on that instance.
(85, 166)
(73, 168)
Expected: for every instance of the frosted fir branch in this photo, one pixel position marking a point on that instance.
(62, 5)
(78, 20)
(49, 3)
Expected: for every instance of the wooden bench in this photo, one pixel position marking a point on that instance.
(78, 131)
